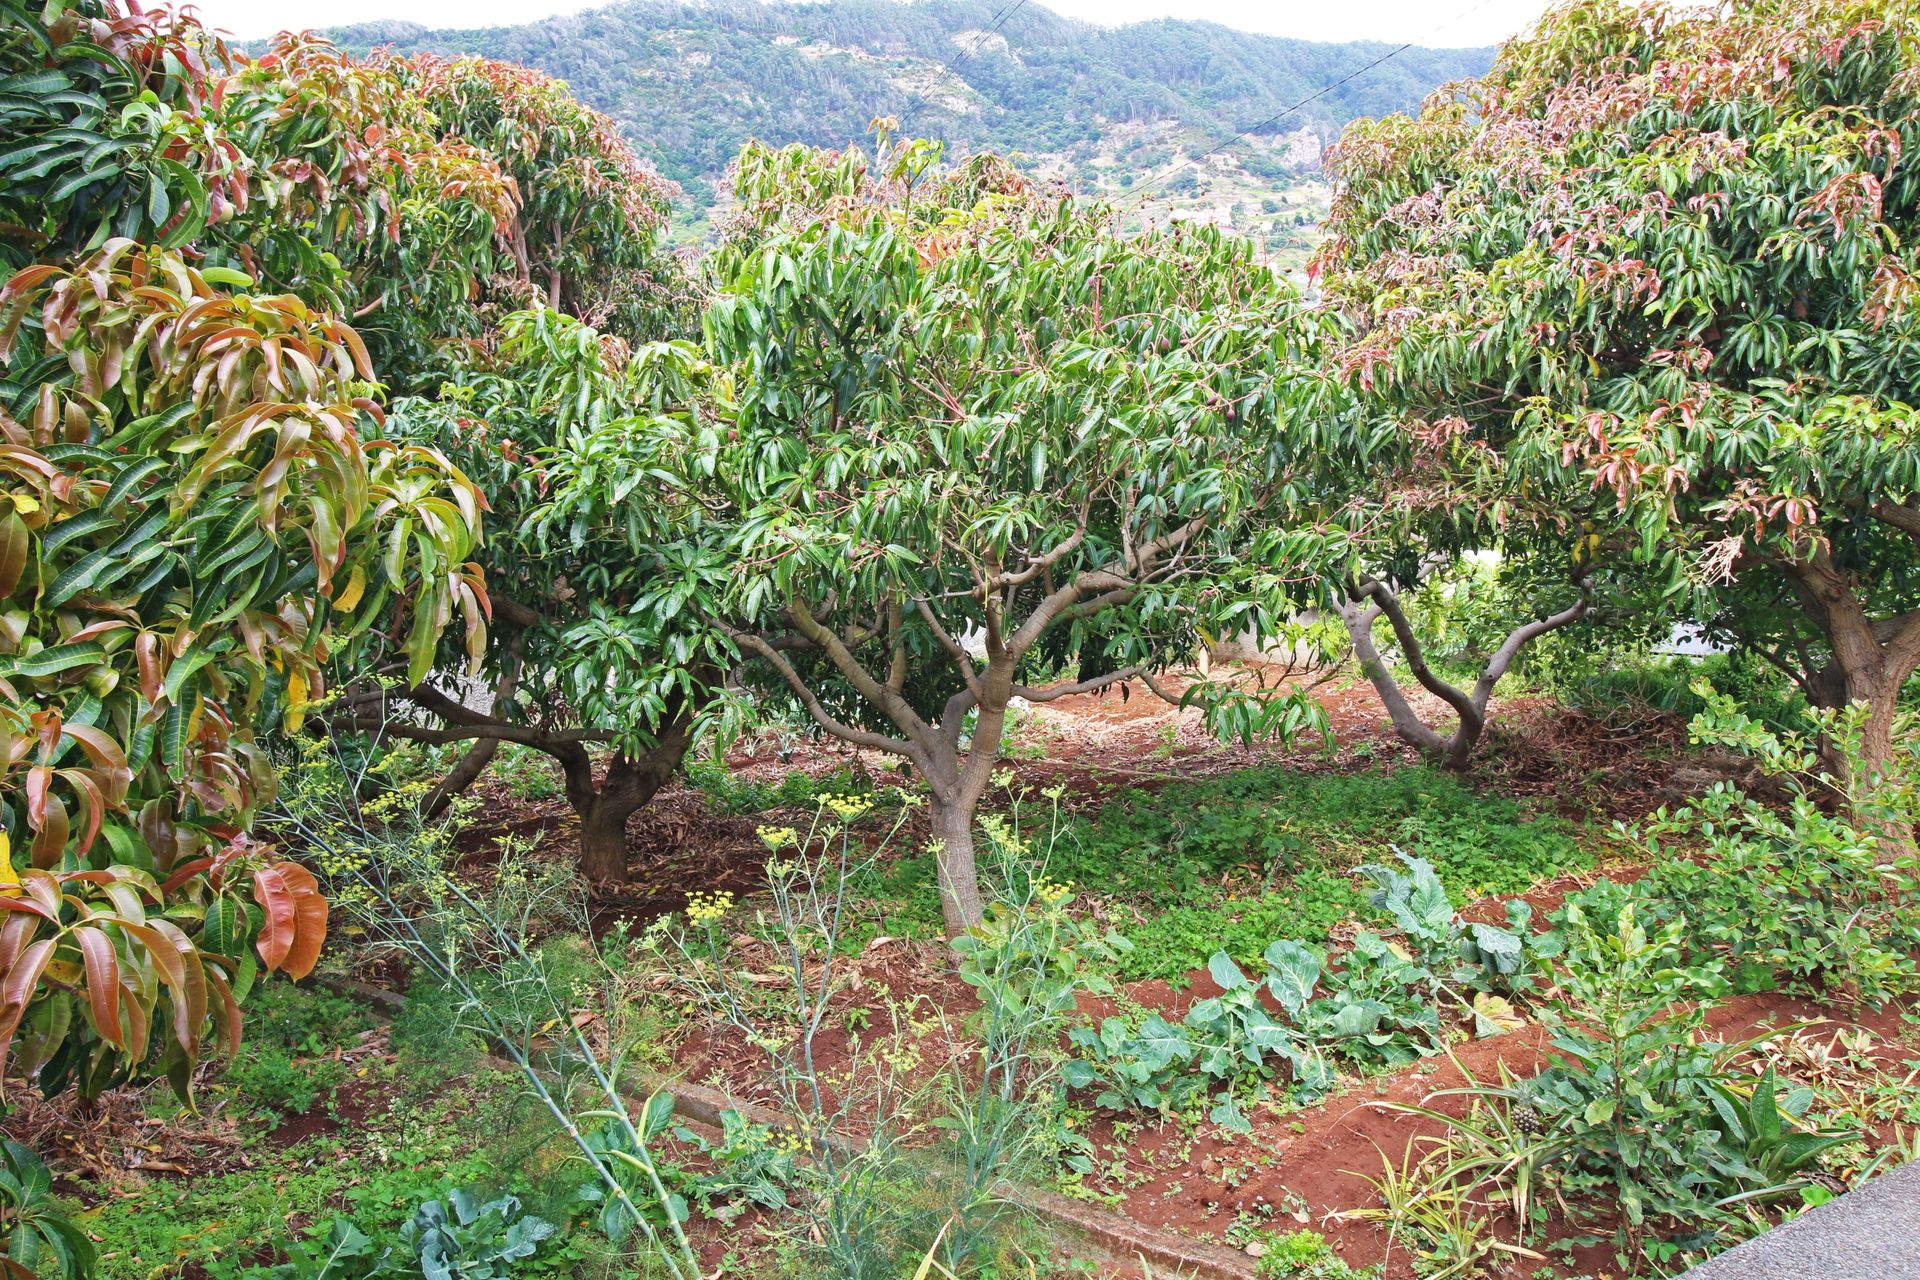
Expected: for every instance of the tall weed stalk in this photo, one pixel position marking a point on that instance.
(356, 815)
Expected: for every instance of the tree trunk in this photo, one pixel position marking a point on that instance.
(603, 838)
(1359, 606)
(959, 874)
(460, 777)
(1876, 682)
(1879, 690)
(1872, 661)
(1460, 747)
(628, 786)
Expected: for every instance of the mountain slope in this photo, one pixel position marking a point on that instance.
(690, 81)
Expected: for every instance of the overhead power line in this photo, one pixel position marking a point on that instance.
(1140, 193)
(954, 63)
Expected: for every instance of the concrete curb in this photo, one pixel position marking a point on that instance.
(1116, 1238)
(1870, 1233)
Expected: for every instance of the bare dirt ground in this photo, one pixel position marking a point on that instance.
(1097, 746)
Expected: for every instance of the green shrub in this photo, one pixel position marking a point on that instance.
(1232, 863)
(1380, 1008)
(1304, 1255)
(1820, 895)
(528, 776)
(277, 1082)
(282, 1067)
(429, 1037)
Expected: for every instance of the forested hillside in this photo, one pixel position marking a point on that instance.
(1106, 108)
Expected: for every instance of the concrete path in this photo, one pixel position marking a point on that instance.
(1872, 1233)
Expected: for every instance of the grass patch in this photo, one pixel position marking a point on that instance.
(428, 1133)
(1237, 861)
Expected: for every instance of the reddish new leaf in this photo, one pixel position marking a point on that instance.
(102, 965)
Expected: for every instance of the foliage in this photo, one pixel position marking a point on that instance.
(846, 1214)
(986, 1084)
(552, 344)
(599, 642)
(798, 790)
(1465, 955)
(1381, 1008)
(910, 338)
(583, 237)
(1764, 1127)
(473, 1241)
(1376, 1012)
(1234, 862)
(1463, 611)
(1567, 279)
(420, 196)
(562, 403)
(1639, 1120)
(419, 1129)
(1146, 1067)
(1634, 681)
(753, 1165)
(1433, 1203)
(481, 945)
(281, 1084)
(455, 1239)
(1302, 1255)
(1818, 895)
(38, 1236)
(1632, 1080)
(198, 513)
(307, 171)
(1030, 961)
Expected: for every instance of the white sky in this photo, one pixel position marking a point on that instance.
(1452, 23)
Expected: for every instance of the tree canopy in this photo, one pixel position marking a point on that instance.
(981, 437)
(199, 514)
(1658, 268)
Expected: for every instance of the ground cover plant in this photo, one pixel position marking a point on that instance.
(1237, 861)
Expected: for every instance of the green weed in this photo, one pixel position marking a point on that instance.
(1234, 862)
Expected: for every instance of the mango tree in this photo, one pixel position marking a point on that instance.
(981, 435)
(196, 513)
(581, 249)
(559, 426)
(1659, 265)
